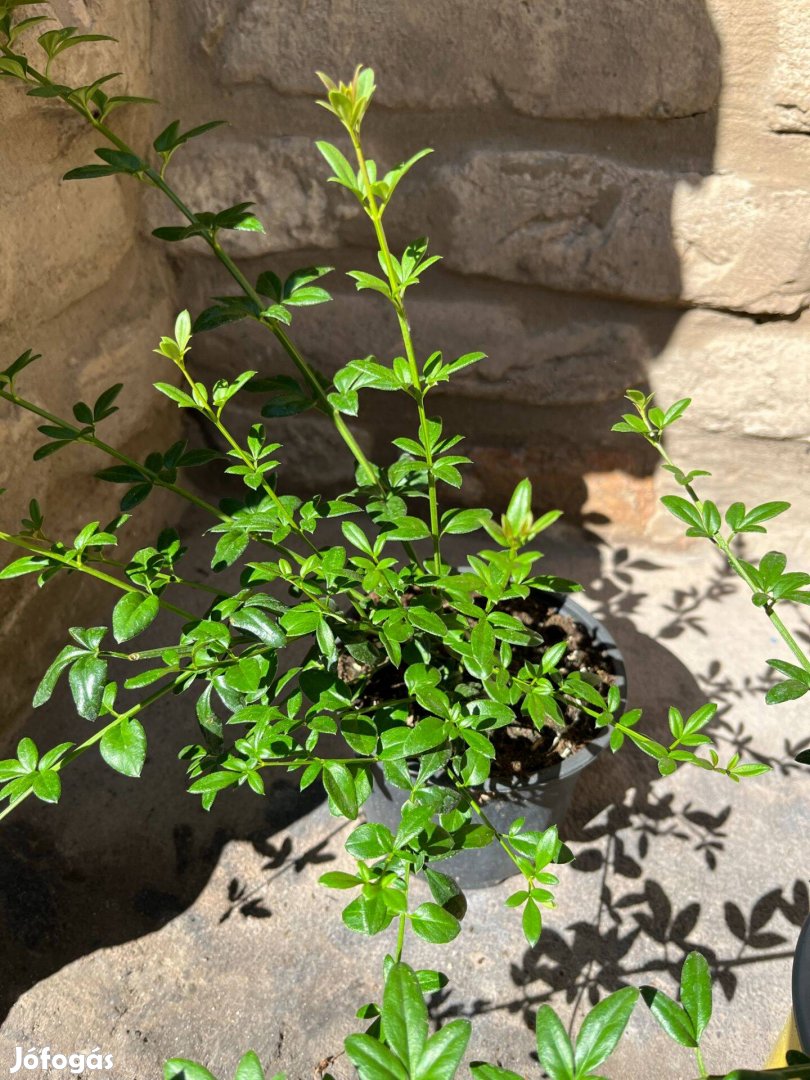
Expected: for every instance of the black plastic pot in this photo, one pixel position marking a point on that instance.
(542, 798)
(801, 987)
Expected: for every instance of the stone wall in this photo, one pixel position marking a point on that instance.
(80, 286)
(619, 200)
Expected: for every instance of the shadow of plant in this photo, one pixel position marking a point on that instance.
(249, 901)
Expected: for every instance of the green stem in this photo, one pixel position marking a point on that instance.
(83, 568)
(403, 919)
(375, 214)
(306, 370)
(92, 440)
(199, 586)
(71, 755)
(303, 764)
(464, 791)
(700, 1063)
(724, 546)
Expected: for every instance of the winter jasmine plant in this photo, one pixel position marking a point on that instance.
(384, 607)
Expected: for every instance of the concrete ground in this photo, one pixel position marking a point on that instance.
(134, 922)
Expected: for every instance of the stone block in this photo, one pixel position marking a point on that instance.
(286, 179)
(540, 59)
(56, 259)
(743, 378)
(589, 224)
(789, 104)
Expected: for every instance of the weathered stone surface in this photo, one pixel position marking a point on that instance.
(46, 274)
(587, 224)
(568, 221)
(74, 287)
(545, 60)
(744, 379)
(789, 107)
(743, 244)
(285, 177)
(527, 360)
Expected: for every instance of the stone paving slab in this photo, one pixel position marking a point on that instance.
(134, 922)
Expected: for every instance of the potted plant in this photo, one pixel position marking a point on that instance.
(419, 670)
(534, 773)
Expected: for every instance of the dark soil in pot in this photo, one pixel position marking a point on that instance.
(535, 772)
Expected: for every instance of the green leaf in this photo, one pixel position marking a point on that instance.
(553, 1045)
(87, 678)
(520, 505)
(771, 567)
(367, 915)
(339, 879)
(356, 537)
(446, 892)
(133, 613)
(90, 172)
(424, 619)
(51, 676)
(602, 1028)
(711, 518)
(404, 1016)
(27, 754)
(249, 1068)
(482, 1071)
(532, 922)
(178, 396)
(340, 787)
(764, 512)
(47, 785)
(306, 296)
(696, 992)
(442, 1056)
(684, 510)
(370, 841)
(673, 1019)
(52, 756)
(434, 924)
(786, 691)
(372, 1060)
(120, 160)
(181, 1069)
(456, 522)
(123, 747)
(482, 642)
(260, 624)
(30, 564)
(343, 172)
(169, 139)
(676, 410)
(363, 280)
(228, 549)
(425, 735)
(121, 474)
(408, 528)
(213, 782)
